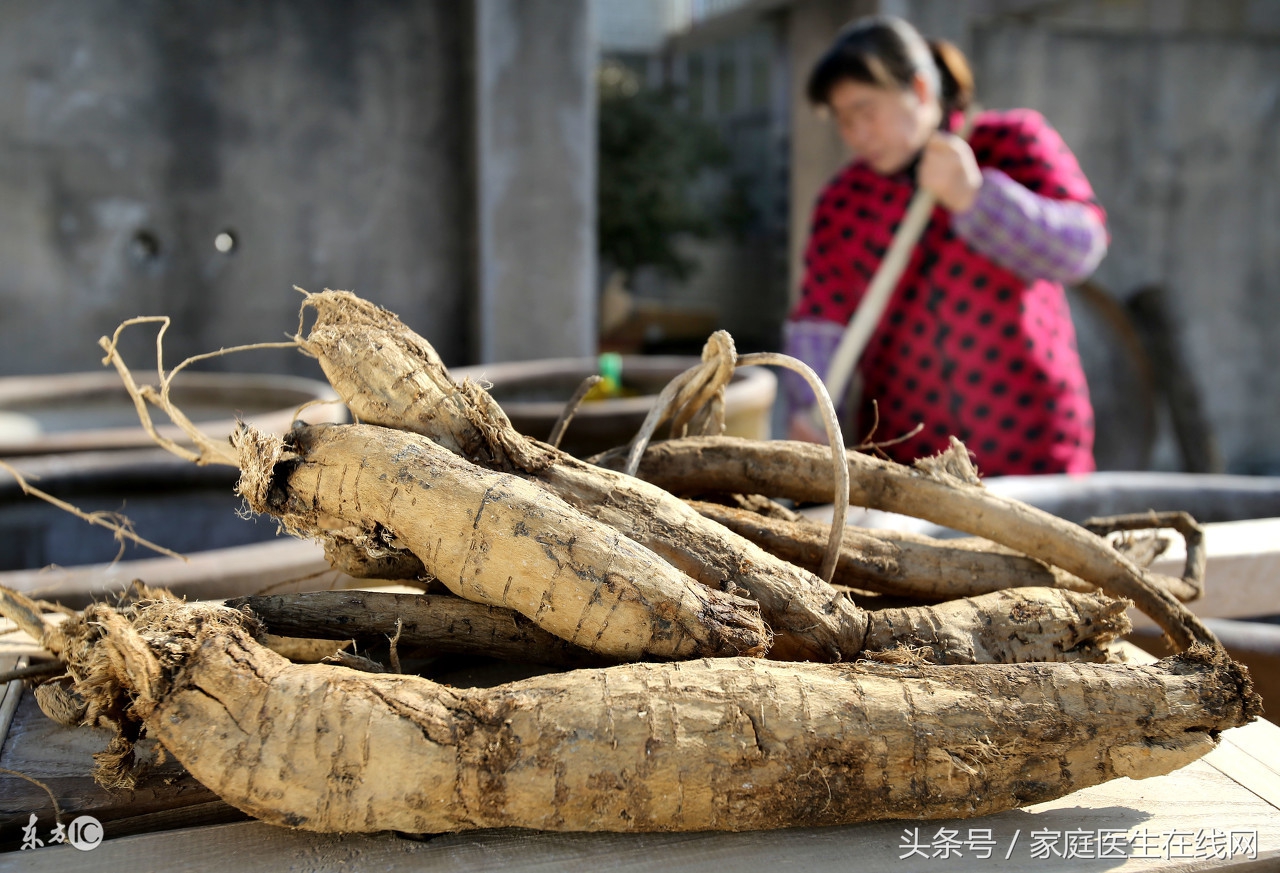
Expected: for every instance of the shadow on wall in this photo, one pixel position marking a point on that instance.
(1141, 384)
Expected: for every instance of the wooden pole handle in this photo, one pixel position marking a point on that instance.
(864, 321)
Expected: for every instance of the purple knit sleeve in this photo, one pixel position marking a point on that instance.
(1036, 237)
(813, 342)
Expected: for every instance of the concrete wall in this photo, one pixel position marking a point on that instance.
(330, 140)
(336, 144)
(536, 197)
(816, 149)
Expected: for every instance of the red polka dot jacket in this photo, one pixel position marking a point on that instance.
(977, 340)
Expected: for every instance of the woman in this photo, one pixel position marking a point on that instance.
(977, 340)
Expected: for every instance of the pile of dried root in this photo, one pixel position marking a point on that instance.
(703, 675)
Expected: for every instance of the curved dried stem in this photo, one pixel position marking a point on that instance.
(699, 409)
(697, 395)
(135, 391)
(571, 409)
(651, 421)
(57, 810)
(866, 445)
(319, 401)
(166, 379)
(210, 450)
(1182, 522)
(834, 438)
(684, 397)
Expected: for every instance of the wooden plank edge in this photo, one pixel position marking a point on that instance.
(1250, 756)
(12, 694)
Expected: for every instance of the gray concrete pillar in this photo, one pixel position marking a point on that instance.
(535, 179)
(816, 150)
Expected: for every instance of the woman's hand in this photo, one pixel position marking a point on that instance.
(949, 171)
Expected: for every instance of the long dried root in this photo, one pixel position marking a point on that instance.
(436, 624)
(903, 565)
(404, 380)
(720, 744)
(1006, 627)
(1003, 627)
(495, 539)
(944, 490)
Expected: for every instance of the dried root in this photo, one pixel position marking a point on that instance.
(549, 559)
(495, 539)
(900, 564)
(1005, 627)
(434, 624)
(719, 744)
(943, 490)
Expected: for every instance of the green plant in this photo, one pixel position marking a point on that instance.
(654, 160)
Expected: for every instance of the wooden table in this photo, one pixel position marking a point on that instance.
(1220, 813)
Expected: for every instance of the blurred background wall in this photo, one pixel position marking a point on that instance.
(199, 159)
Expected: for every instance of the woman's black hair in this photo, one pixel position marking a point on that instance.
(888, 52)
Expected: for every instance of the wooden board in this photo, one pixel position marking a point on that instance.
(1242, 577)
